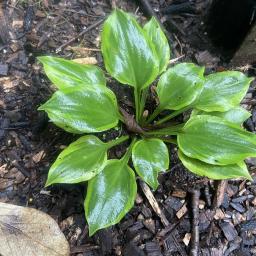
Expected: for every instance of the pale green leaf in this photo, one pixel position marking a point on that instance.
(215, 172)
(150, 156)
(160, 42)
(83, 110)
(179, 86)
(128, 54)
(223, 91)
(110, 195)
(216, 141)
(80, 161)
(235, 115)
(69, 74)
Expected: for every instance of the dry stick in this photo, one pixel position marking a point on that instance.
(220, 193)
(207, 195)
(195, 224)
(149, 12)
(97, 23)
(147, 8)
(149, 195)
(218, 199)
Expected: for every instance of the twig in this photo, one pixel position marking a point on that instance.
(220, 193)
(113, 3)
(179, 8)
(83, 248)
(207, 196)
(146, 190)
(97, 23)
(149, 195)
(171, 61)
(195, 227)
(217, 201)
(149, 12)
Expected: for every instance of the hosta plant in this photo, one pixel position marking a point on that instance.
(211, 143)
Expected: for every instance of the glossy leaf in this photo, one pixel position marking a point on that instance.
(215, 172)
(128, 54)
(223, 91)
(235, 115)
(150, 156)
(216, 141)
(83, 111)
(110, 195)
(179, 86)
(80, 161)
(160, 42)
(69, 74)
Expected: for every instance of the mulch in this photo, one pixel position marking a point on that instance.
(225, 218)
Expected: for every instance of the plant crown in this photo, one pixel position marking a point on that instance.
(210, 143)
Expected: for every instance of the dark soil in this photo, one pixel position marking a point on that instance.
(29, 143)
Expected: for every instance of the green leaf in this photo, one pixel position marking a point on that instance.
(83, 110)
(160, 42)
(179, 86)
(68, 74)
(110, 195)
(128, 54)
(235, 115)
(215, 172)
(223, 91)
(150, 156)
(80, 161)
(216, 141)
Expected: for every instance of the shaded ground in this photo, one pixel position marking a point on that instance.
(28, 144)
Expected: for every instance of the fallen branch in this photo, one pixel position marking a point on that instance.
(149, 12)
(154, 204)
(97, 23)
(149, 195)
(217, 201)
(195, 224)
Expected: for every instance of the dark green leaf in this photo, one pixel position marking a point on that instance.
(80, 161)
(83, 111)
(179, 86)
(160, 43)
(150, 156)
(235, 115)
(223, 91)
(66, 74)
(215, 172)
(128, 54)
(216, 141)
(110, 195)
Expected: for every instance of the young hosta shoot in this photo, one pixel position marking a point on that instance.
(211, 143)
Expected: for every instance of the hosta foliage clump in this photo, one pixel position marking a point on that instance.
(211, 143)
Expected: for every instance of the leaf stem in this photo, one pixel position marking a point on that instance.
(170, 140)
(128, 153)
(157, 111)
(143, 98)
(172, 115)
(121, 118)
(172, 130)
(117, 141)
(137, 103)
